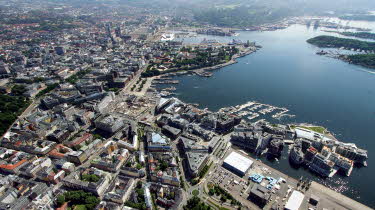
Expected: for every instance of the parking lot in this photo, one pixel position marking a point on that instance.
(280, 186)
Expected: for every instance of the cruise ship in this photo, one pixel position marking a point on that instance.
(209, 41)
(167, 37)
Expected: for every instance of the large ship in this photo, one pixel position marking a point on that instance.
(209, 41)
(167, 37)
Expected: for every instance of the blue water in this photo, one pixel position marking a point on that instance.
(286, 72)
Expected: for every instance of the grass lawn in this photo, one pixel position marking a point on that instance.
(317, 129)
(80, 207)
(195, 192)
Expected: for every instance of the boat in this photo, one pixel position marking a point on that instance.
(209, 41)
(167, 37)
(322, 52)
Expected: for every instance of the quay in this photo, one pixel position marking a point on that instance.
(240, 187)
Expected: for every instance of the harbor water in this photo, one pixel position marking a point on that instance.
(319, 90)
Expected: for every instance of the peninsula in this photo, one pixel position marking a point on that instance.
(85, 125)
(362, 35)
(201, 57)
(336, 42)
(366, 58)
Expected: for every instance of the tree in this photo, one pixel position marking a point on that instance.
(223, 198)
(10, 108)
(139, 184)
(80, 198)
(18, 90)
(60, 200)
(171, 195)
(91, 200)
(48, 89)
(163, 165)
(211, 192)
(196, 204)
(90, 178)
(194, 181)
(97, 136)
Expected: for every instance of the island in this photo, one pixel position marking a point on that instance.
(363, 35)
(367, 59)
(363, 17)
(336, 42)
(87, 122)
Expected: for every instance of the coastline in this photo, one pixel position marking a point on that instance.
(345, 59)
(327, 196)
(223, 65)
(211, 68)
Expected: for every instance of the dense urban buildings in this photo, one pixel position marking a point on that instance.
(84, 127)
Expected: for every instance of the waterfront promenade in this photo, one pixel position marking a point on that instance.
(327, 198)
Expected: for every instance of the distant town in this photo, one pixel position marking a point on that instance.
(83, 126)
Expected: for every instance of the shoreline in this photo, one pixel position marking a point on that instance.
(319, 189)
(344, 58)
(323, 188)
(211, 68)
(328, 197)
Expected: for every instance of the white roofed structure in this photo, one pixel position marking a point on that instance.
(295, 200)
(237, 163)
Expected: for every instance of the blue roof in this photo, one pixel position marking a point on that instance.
(157, 138)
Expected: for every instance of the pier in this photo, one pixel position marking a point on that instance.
(249, 110)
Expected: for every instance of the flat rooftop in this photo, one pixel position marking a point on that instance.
(238, 162)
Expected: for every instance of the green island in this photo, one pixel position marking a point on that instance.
(366, 60)
(195, 192)
(363, 35)
(365, 17)
(336, 42)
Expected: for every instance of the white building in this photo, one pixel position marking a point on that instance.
(295, 200)
(237, 163)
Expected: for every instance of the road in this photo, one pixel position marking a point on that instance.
(202, 185)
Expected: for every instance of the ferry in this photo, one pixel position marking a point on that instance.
(167, 37)
(209, 41)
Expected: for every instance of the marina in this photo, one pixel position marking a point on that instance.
(166, 82)
(253, 110)
(303, 87)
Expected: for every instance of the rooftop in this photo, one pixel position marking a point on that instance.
(158, 139)
(238, 161)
